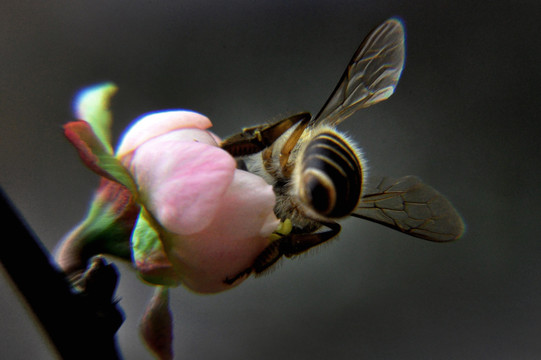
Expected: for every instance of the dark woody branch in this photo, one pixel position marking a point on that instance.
(81, 321)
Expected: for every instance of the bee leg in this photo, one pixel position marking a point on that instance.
(255, 139)
(291, 245)
(231, 280)
(300, 243)
(265, 260)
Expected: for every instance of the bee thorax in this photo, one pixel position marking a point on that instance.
(326, 181)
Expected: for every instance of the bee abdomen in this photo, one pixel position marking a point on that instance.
(331, 175)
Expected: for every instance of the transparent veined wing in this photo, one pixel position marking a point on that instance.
(370, 77)
(412, 207)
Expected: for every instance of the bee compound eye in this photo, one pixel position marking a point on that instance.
(317, 191)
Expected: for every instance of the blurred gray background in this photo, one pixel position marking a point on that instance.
(464, 118)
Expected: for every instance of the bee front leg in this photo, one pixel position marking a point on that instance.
(255, 139)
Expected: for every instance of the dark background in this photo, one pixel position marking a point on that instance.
(464, 118)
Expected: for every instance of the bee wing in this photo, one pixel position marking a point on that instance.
(412, 207)
(370, 77)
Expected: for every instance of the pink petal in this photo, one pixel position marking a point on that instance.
(248, 206)
(156, 124)
(181, 182)
(231, 243)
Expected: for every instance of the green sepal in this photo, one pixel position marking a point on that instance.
(96, 155)
(106, 229)
(148, 253)
(92, 105)
(156, 326)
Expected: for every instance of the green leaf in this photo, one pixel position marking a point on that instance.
(92, 105)
(149, 255)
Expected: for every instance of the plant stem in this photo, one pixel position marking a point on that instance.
(74, 322)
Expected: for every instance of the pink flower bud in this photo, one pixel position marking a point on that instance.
(215, 218)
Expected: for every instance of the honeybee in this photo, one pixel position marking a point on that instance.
(318, 174)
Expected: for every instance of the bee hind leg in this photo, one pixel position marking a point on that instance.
(293, 244)
(288, 246)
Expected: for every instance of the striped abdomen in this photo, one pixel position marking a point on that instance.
(331, 175)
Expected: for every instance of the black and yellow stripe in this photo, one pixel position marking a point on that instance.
(331, 175)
